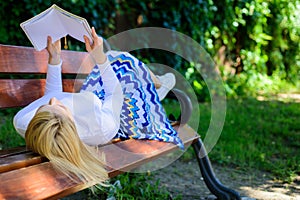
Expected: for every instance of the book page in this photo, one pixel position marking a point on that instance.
(48, 25)
(75, 27)
(57, 23)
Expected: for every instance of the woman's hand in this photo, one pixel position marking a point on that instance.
(95, 48)
(54, 51)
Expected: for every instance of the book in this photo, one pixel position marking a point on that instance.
(57, 23)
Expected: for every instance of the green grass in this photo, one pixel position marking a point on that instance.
(8, 136)
(258, 134)
(264, 135)
(129, 186)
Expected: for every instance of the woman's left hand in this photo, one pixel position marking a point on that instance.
(54, 51)
(96, 47)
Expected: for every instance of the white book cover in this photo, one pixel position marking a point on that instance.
(57, 23)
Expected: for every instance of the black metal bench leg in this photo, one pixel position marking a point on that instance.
(213, 184)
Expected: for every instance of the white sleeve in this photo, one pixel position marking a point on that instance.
(108, 112)
(53, 79)
(113, 101)
(53, 84)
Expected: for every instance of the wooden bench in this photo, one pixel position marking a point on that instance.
(27, 175)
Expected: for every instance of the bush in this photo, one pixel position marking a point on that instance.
(255, 38)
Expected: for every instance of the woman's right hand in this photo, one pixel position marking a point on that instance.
(54, 50)
(95, 47)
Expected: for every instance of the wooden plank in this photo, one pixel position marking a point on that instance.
(17, 59)
(21, 92)
(18, 161)
(43, 181)
(36, 182)
(137, 152)
(12, 151)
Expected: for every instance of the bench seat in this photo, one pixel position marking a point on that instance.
(27, 175)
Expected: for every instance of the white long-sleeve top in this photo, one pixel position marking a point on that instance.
(96, 121)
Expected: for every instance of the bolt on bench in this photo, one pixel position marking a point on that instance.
(27, 175)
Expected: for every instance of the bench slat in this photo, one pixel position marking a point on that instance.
(16, 59)
(135, 153)
(21, 92)
(19, 160)
(12, 151)
(42, 181)
(35, 182)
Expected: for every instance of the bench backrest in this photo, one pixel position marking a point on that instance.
(23, 69)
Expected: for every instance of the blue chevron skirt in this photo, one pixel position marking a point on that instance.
(142, 115)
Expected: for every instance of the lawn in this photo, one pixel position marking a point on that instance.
(258, 134)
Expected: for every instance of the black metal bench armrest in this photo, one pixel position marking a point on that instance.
(186, 106)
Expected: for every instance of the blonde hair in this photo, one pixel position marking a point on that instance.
(55, 136)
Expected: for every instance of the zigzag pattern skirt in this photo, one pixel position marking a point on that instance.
(142, 115)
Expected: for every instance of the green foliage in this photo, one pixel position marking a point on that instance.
(254, 84)
(252, 38)
(260, 38)
(261, 45)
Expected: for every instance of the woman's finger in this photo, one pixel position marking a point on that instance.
(97, 40)
(49, 42)
(94, 34)
(87, 44)
(57, 44)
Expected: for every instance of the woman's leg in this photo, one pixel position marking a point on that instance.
(155, 80)
(163, 84)
(142, 116)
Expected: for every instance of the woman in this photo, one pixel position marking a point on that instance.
(117, 100)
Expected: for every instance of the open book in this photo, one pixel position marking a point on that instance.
(57, 23)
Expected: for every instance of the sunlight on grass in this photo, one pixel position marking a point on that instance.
(257, 134)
